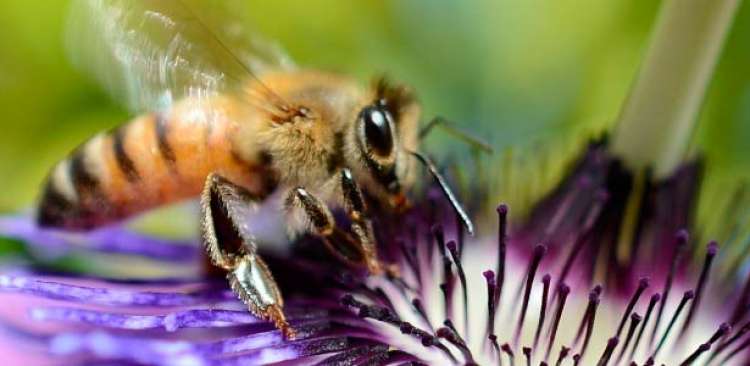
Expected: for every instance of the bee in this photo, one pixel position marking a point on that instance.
(229, 119)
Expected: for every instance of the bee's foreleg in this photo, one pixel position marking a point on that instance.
(356, 208)
(224, 211)
(356, 248)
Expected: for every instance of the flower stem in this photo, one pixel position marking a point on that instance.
(656, 121)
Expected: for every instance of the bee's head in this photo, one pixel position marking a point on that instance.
(384, 131)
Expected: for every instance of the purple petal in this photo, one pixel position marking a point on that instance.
(101, 295)
(117, 240)
(144, 351)
(197, 318)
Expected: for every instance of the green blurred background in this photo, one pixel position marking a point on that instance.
(512, 71)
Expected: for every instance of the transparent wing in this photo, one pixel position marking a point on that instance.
(150, 53)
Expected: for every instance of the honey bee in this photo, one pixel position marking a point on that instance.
(230, 120)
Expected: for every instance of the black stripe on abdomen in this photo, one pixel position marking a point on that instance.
(124, 162)
(93, 205)
(162, 138)
(84, 181)
(54, 207)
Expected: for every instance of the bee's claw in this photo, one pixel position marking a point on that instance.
(275, 314)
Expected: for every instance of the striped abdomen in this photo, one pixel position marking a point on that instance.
(152, 160)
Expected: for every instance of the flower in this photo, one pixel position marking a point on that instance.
(556, 290)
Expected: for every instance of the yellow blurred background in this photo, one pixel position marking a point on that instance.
(511, 71)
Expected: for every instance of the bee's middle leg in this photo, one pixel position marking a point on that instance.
(356, 248)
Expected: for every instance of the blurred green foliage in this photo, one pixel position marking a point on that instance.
(512, 71)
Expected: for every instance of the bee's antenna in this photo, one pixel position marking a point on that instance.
(446, 190)
(455, 132)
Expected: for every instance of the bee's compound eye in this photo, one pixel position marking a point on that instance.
(377, 130)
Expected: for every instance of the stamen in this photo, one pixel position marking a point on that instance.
(564, 291)
(583, 239)
(543, 309)
(417, 304)
(462, 277)
(564, 351)
(387, 316)
(591, 312)
(410, 254)
(489, 277)
(649, 362)
(735, 351)
(448, 279)
(685, 298)
(739, 309)
(449, 333)
(384, 298)
(724, 328)
(741, 332)
(642, 286)
(576, 359)
(508, 351)
(460, 237)
(527, 354)
(536, 258)
(437, 233)
(427, 339)
(593, 297)
(680, 239)
(651, 304)
(447, 299)
(502, 213)
(702, 279)
(493, 341)
(702, 348)
(611, 344)
(635, 319)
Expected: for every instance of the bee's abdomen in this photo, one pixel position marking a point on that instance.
(153, 160)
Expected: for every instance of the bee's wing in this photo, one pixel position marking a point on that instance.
(149, 53)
